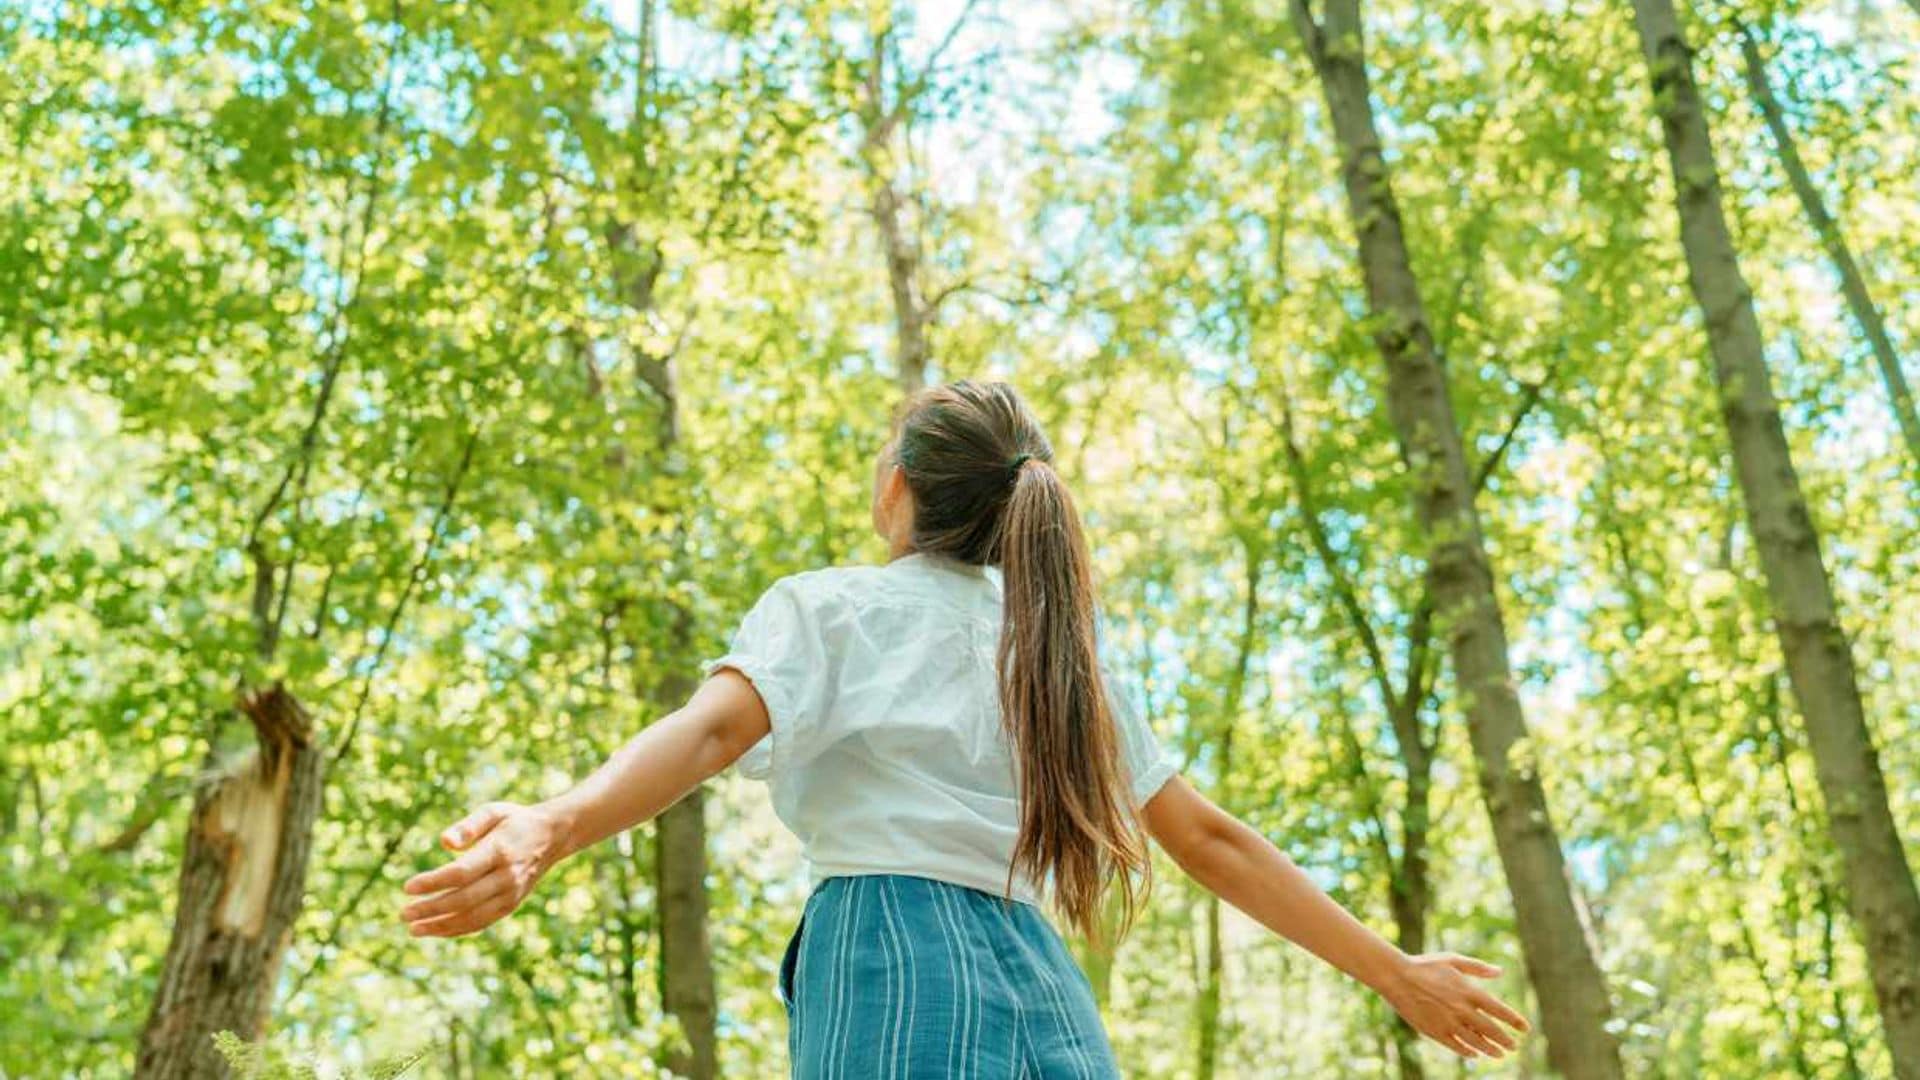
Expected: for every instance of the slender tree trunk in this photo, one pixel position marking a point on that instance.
(242, 878)
(1880, 886)
(685, 977)
(1573, 996)
(680, 868)
(1853, 284)
(680, 833)
(1410, 889)
(1206, 1050)
(903, 261)
(1207, 1007)
(686, 962)
(882, 117)
(1409, 875)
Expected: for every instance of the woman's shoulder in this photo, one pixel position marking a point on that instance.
(847, 591)
(826, 592)
(829, 582)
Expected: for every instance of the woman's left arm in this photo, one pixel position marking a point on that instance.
(507, 848)
(1237, 864)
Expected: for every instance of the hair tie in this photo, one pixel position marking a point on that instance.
(1013, 469)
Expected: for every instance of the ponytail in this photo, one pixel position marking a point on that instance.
(1076, 815)
(985, 490)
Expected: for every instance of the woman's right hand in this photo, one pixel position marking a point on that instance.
(1434, 994)
(506, 848)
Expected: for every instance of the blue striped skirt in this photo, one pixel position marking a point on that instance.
(889, 975)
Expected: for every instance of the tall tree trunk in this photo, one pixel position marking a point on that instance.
(883, 116)
(1573, 996)
(903, 261)
(242, 878)
(685, 976)
(1206, 1048)
(686, 962)
(1880, 886)
(1853, 284)
(1207, 1006)
(680, 882)
(1410, 889)
(686, 979)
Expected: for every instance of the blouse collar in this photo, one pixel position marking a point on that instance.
(925, 560)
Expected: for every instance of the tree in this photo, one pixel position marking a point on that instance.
(242, 880)
(1880, 887)
(1573, 995)
(244, 865)
(589, 228)
(1853, 283)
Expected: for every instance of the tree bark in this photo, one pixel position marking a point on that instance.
(686, 979)
(1853, 284)
(1206, 1050)
(686, 962)
(1880, 888)
(1410, 887)
(882, 117)
(685, 976)
(1575, 1010)
(680, 882)
(242, 878)
(903, 281)
(1207, 1008)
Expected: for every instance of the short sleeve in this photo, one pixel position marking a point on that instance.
(1149, 764)
(779, 650)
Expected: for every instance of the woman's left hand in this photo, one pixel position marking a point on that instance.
(1433, 993)
(506, 849)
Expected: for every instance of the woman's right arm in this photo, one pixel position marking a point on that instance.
(505, 848)
(1240, 866)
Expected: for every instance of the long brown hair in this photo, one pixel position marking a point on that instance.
(985, 492)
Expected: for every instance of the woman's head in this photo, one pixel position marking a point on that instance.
(949, 473)
(969, 476)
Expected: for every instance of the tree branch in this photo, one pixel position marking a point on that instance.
(1343, 589)
(414, 576)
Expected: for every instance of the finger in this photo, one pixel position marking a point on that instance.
(467, 896)
(465, 832)
(1469, 966)
(1457, 1045)
(465, 922)
(1501, 1011)
(1492, 1032)
(1445, 1037)
(1480, 1046)
(1480, 1038)
(467, 868)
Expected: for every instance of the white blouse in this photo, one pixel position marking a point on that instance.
(886, 754)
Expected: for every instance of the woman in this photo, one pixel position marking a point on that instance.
(940, 735)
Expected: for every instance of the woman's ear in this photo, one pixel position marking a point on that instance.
(896, 506)
(896, 487)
